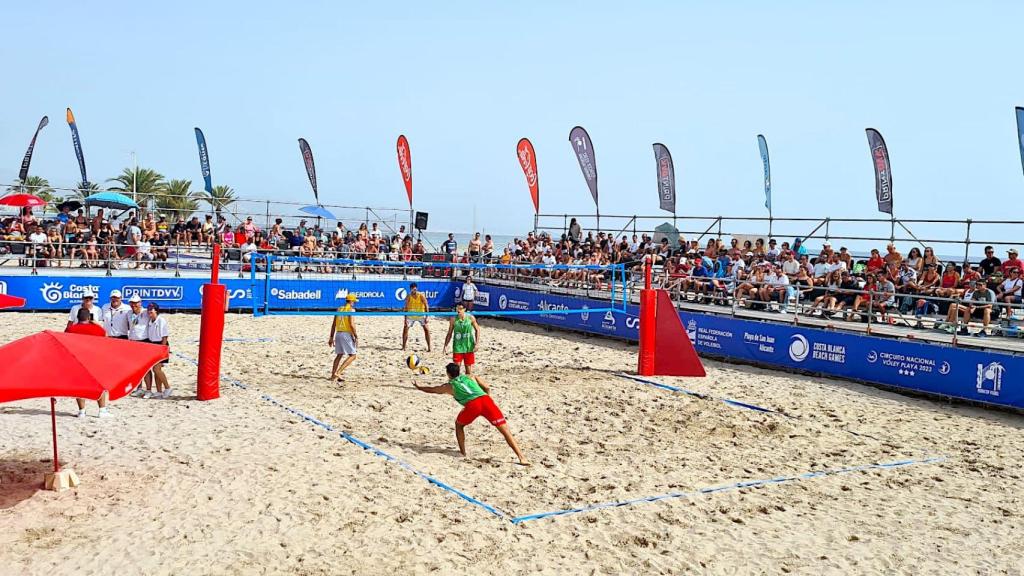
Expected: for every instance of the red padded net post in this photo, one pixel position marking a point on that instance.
(211, 333)
(665, 349)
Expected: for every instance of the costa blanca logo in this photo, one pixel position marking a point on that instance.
(799, 348)
(632, 322)
(691, 331)
(585, 315)
(990, 378)
(54, 292)
(154, 292)
(502, 302)
(295, 294)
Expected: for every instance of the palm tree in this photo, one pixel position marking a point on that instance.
(81, 194)
(144, 185)
(221, 197)
(178, 199)
(35, 185)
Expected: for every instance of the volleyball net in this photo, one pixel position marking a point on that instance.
(295, 285)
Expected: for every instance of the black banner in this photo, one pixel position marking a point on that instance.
(23, 174)
(307, 158)
(78, 148)
(584, 150)
(666, 178)
(883, 173)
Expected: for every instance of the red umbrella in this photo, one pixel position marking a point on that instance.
(7, 301)
(58, 364)
(22, 200)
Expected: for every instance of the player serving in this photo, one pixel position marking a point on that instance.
(415, 301)
(466, 332)
(474, 396)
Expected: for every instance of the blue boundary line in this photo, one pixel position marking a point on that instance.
(728, 401)
(357, 442)
(729, 487)
(590, 507)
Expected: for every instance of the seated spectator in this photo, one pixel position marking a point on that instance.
(892, 255)
(1010, 290)
(949, 283)
(991, 263)
(875, 263)
(978, 304)
(1011, 262)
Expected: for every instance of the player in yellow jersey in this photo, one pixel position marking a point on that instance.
(343, 338)
(415, 301)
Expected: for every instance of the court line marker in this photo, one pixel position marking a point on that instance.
(729, 401)
(590, 507)
(730, 487)
(357, 442)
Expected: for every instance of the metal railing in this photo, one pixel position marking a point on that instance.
(965, 235)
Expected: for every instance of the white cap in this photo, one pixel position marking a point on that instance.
(115, 293)
(88, 294)
(135, 298)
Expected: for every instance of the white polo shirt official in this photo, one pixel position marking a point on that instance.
(112, 321)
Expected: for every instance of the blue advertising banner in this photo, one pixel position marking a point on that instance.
(62, 292)
(76, 140)
(762, 145)
(1020, 133)
(976, 375)
(204, 161)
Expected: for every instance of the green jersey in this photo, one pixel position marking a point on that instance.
(463, 337)
(465, 389)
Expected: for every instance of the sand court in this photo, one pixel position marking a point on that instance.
(595, 435)
(241, 485)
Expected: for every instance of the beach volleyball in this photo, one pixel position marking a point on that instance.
(413, 362)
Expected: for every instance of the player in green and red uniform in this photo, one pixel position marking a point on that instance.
(473, 394)
(465, 331)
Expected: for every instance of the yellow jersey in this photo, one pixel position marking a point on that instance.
(343, 323)
(417, 303)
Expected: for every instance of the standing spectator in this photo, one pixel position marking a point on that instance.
(450, 246)
(468, 294)
(575, 232)
(88, 303)
(113, 323)
(157, 332)
(249, 228)
(991, 263)
(85, 325)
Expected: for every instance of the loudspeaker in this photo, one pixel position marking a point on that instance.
(421, 221)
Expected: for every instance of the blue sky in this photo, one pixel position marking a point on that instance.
(465, 80)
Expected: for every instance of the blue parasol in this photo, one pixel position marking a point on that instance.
(318, 211)
(110, 200)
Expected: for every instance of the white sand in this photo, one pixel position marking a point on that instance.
(241, 486)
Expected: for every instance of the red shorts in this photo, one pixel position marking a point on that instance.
(469, 358)
(482, 406)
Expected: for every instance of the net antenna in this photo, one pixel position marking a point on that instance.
(305, 286)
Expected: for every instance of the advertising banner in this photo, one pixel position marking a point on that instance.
(666, 178)
(528, 161)
(27, 160)
(405, 165)
(883, 173)
(204, 161)
(584, 150)
(307, 159)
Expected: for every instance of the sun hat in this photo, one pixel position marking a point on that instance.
(88, 294)
(135, 298)
(115, 293)
(351, 298)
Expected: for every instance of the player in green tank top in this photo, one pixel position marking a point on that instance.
(474, 396)
(463, 333)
